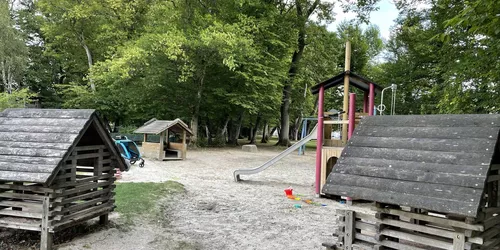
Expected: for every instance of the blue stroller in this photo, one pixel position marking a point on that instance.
(129, 150)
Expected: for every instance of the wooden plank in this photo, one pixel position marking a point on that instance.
(75, 215)
(443, 205)
(417, 239)
(39, 129)
(459, 241)
(452, 179)
(473, 169)
(493, 178)
(414, 227)
(44, 122)
(408, 187)
(35, 145)
(10, 223)
(477, 145)
(37, 152)
(426, 132)
(22, 214)
(85, 180)
(37, 137)
(32, 188)
(107, 191)
(491, 222)
(83, 217)
(89, 156)
(30, 160)
(21, 196)
(386, 243)
(456, 158)
(349, 229)
(470, 120)
(440, 221)
(46, 236)
(83, 205)
(22, 204)
(48, 113)
(24, 176)
(26, 167)
(87, 148)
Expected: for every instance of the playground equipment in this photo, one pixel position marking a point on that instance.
(269, 163)
(381, 108)
(169, 147)
(57, 170)
(303, 132)
(434, 180)
(328, 149)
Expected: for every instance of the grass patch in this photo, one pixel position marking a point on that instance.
(142, 198)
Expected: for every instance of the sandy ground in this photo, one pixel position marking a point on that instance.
(218, 213)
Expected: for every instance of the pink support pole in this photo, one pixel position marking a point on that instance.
(319, 138)
(352, 114)
(365, 102)
(371, 99)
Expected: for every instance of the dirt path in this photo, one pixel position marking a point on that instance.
(217, 213)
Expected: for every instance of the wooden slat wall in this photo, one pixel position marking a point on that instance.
(34, 141)
(434, 162)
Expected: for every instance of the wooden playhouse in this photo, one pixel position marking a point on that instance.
(56, 170)
(172, 144)
(433, 180)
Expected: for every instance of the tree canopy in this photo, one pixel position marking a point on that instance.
(230, 68)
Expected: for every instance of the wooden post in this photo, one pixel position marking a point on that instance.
(349, 229)
(184, 146)
(346, 88)
(352, 114)
(104, 219)
(319, 138)
(17, 191)
(365, 102)
(459, 241)
(161, 154)
(46, 236)
(145, 137)
(371, 99)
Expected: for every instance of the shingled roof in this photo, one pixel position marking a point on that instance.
(434, 162)
(154, 126)
(34, 143)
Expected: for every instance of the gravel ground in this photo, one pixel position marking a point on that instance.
(218, 213)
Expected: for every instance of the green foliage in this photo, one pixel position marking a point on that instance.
(16, 99)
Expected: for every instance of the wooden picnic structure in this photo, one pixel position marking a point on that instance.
(433, 180)
(56, 170)
(172, 144)
(329, 149)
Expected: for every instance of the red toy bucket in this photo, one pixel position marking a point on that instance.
(289, 191)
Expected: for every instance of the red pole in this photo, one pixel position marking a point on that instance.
(352, 114)
(319, 138)
(371, 99)
(365, 102)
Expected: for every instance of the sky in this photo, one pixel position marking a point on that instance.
(384, 17)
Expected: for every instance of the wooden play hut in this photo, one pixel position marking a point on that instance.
(172, 144)
(56, 170)
(433, 180)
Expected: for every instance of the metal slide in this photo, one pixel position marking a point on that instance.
(269, 163)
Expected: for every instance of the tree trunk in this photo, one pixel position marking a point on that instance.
(303, 16)
(4, 76)
(235, 134)
(89, 59)
(254, 130)
(223, 132)
(265, 135)
(196, 111)
(273, 130)
(296, 128)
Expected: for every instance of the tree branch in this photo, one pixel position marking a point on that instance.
(313, 7)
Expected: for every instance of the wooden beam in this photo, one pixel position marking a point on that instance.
(346, 88)
(46, 236)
